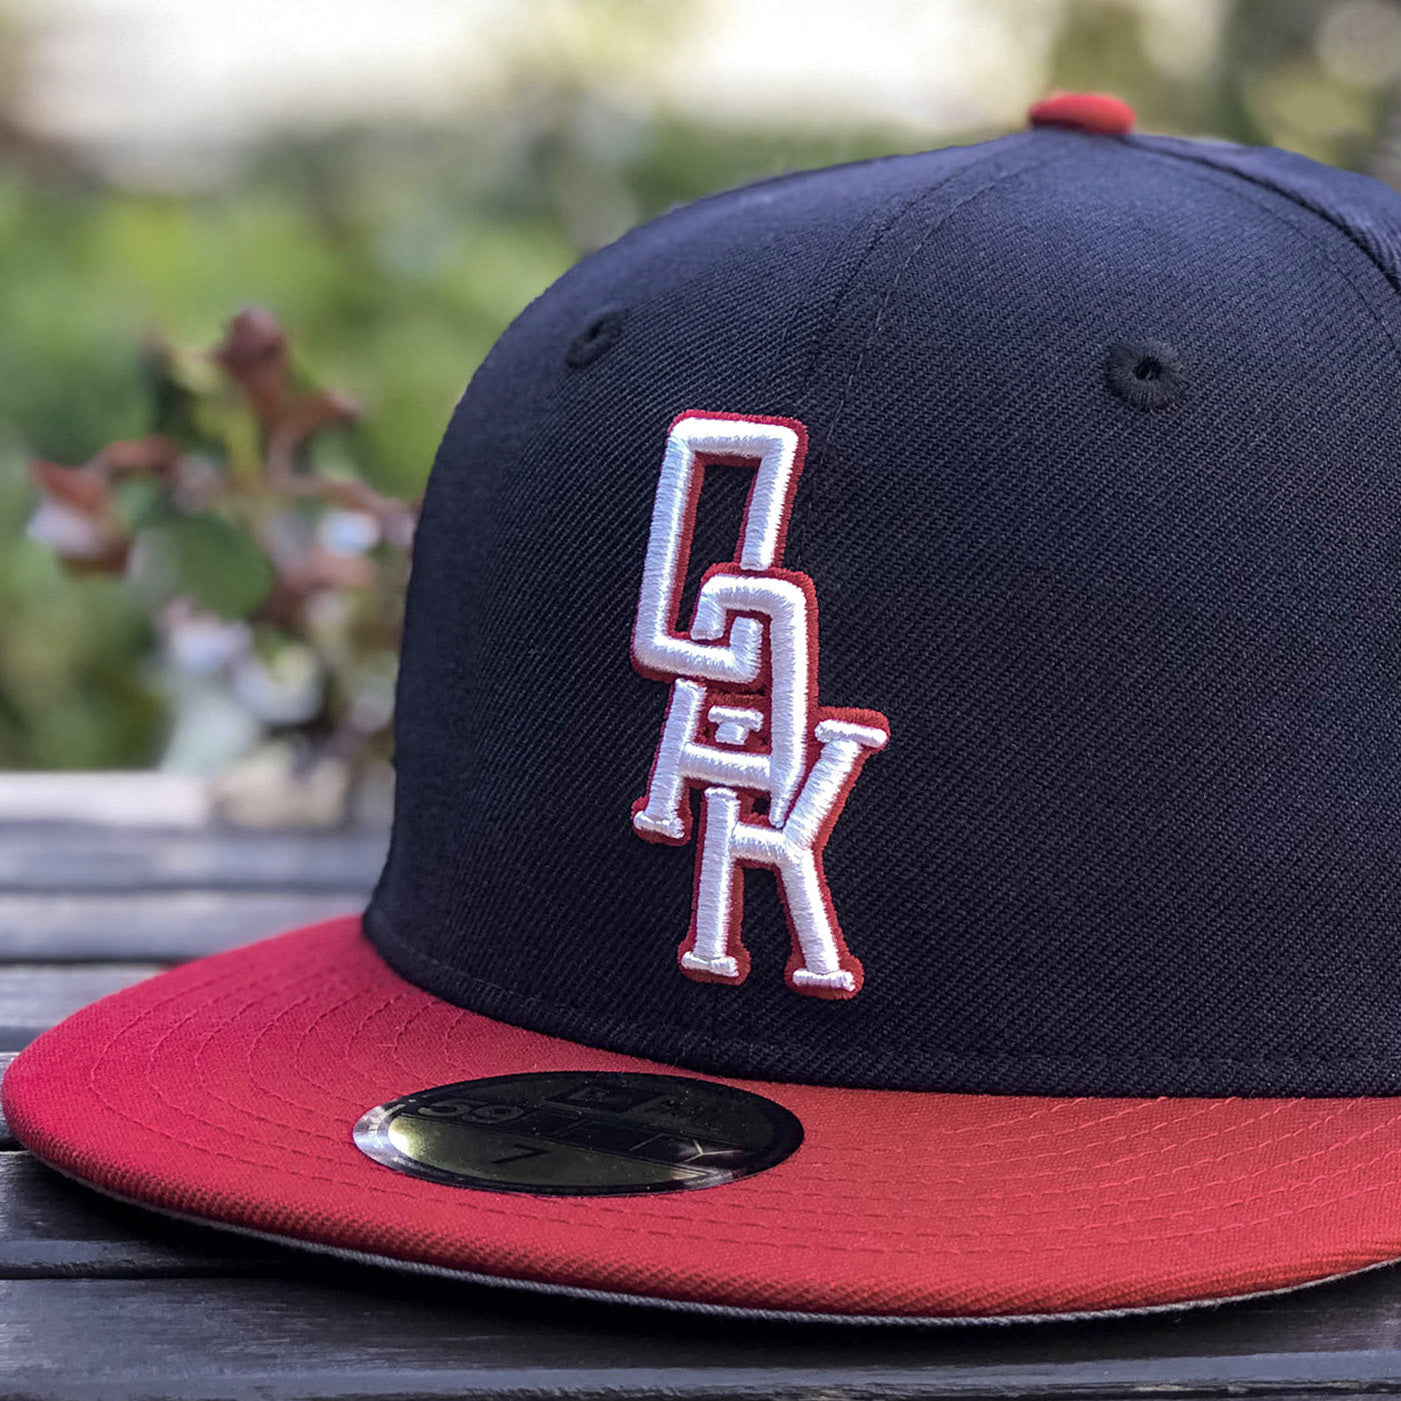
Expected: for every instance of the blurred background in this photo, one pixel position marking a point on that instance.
(252, 252)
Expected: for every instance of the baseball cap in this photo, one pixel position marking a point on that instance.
(1028, 948)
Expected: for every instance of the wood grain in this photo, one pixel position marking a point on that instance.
(7, 1139)
(307, 1335)
(155, 926)
(35, 996)
(54, 1227)
(65, 859)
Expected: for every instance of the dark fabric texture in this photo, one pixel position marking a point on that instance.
(1138, 827)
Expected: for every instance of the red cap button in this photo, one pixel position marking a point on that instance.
(1083, 111)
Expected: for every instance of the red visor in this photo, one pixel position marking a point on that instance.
(227, 1090)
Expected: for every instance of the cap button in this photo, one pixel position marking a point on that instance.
(1083, 111)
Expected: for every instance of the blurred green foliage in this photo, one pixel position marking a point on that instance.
(394, 257)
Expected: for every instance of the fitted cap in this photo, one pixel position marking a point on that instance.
(1024, 945)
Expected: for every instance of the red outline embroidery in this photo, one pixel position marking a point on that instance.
(755, 695)
(703, 461)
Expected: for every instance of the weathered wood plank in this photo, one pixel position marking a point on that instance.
(54, 1228)
(121, 798)
(298, 1337)
(34, 998)
(46, 857)
(7, 1139)
(165, 926)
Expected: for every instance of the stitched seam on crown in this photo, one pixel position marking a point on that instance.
(1293, 196)
(1223, 182)
(874, 331)
(798, 526)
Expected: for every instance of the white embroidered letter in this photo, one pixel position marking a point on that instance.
(743, 724)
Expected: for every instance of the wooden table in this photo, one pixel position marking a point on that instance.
(104, 1302)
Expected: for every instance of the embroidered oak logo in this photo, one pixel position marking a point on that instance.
(743, 723)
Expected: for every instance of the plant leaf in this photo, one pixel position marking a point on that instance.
(206, 558)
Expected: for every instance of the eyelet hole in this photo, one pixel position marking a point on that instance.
(595, 340)
(1146, 374)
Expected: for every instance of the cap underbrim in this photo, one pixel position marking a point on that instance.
(227, 1091)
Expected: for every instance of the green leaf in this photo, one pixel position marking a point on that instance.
(207, 558)
(136, 500)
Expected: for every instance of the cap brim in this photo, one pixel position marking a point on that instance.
(227, 1090)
